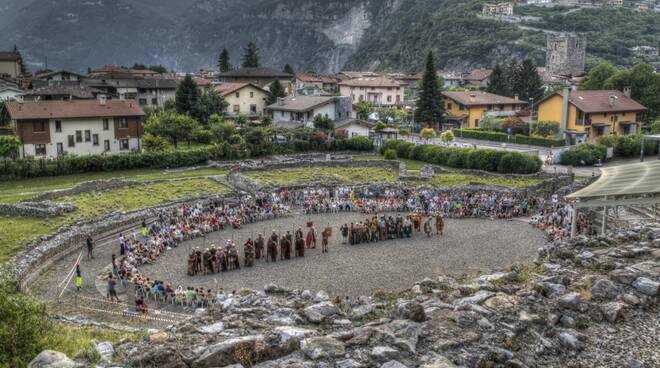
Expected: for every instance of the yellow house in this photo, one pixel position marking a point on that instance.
(466, 109)
(243, 98)
(589, 114)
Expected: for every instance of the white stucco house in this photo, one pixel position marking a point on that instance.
(303, 109)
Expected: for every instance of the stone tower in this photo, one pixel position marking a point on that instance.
(565, 54)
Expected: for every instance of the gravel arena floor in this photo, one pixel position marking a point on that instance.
(468, 246)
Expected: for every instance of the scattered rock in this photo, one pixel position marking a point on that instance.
(322, 347)
(53, 359)
(604, 289)
(316, 313)
(646, 286)
(384, 353)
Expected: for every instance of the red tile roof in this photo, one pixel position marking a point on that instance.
(72, 109)
(478, 75)
(312, 78)
(599, 101)
(9, 56)
(480, 98)
(371, 82)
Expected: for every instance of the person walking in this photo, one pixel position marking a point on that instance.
(112, 292)
(90, 247)
(79, 279)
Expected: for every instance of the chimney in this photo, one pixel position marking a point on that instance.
(122, 96)
(516, 97)
(627, 91)
(102, 99)
(473, 98)
(564, 112)
(613, 100)
(280, 101)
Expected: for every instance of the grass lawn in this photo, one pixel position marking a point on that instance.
(346, 175)
(18, 231)
(410, 164)
(460, 179)
(16, 190)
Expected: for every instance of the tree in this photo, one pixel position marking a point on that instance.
(654, 128)
(251, 56)
(288, 69)
(427, 133)
(24, 70)
(498, 82)
(224, 64)
(276, 91)
(644, 84)
(529, 81)
(171, 126)
(154, 143)
(546, 128)
(9, 145)
(222, 130)
(323, 122)
(597, 76)
(516, 124)
(429, 105)
(363, 109)
(513, 78)
(24, 324)
(210, 102)
(447, 136)
(186, 96)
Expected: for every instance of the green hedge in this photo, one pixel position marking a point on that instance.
(11, 169)
(467, 158)
(587, 153)
(503, 137)
(627, 145)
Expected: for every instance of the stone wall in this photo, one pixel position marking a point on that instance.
(36, 209)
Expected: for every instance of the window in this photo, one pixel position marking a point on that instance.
(78, 135)
(95, 139)
(154, 101)
(60, 149)
(39, 127)
(58, 126)
(253, 109)
(88, 135)
(476, 123)
(40, 150)
(123, 144)
(71, 141)
(449, 106)
(461, 107)
(142, 101)
(105, 124)
(106, 145)
(123, 124)
(238, 94)
(237, 108)
(251, 94)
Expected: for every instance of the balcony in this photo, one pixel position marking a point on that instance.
(583, 122)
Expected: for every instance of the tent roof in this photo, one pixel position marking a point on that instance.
(632, 179)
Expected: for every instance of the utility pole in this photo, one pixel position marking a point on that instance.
(531, 117)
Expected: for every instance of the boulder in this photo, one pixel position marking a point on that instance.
(384, 353)
(275, 289)
(322, 347)
(252, 347)
(287, 333)
(316, 313)
(53, 359)
(646, 286)
(604, 289)
(569, 340)
(321, 296)
(409, 310)
(624, 275)
(477, 298)
(347, 363)
(212, 329)
(611, 311)
(439, 362)
(502, 301)
(105, 350)
(393, 364)
(571, 301)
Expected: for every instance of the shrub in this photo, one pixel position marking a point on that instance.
(518, 163)
(588, 153)
(516, 125)
(153, 143)
(403, 149)
(203, 136)
(545, 128)
(390, 154)
(627, 145)
(539, 141)
(502, 137)
(389, 145)
(357, 144)
(9, 146)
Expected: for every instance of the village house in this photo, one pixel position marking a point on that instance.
(59, 77)
(295, 111)
(467, 109)
(478, 78)
(10, 64)
(324, 83)
(246, 99)
(62, 93)
(589, 114)
(259, 76)
(380, 91)
(354, 127)
(49, 129)
(500, 9)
